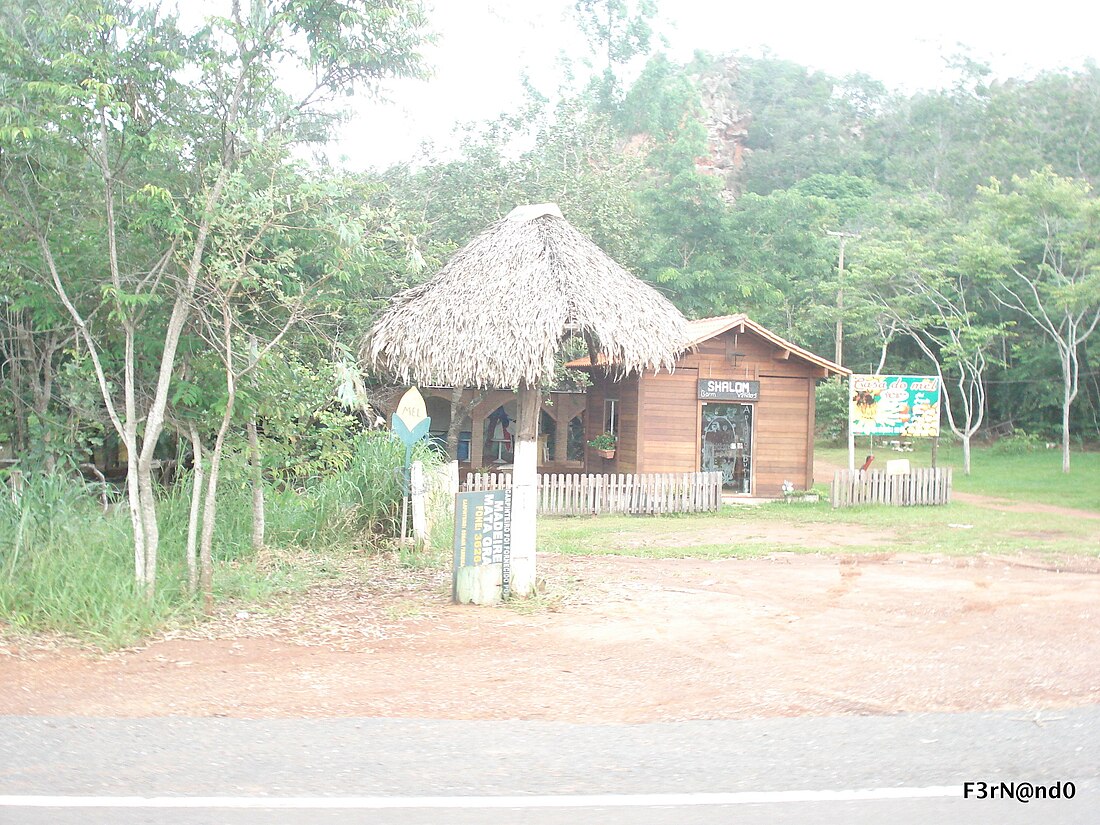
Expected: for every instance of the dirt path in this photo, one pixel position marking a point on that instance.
(620, 639)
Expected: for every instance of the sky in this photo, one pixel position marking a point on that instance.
(484, 47)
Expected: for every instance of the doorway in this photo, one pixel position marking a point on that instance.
(727, 444)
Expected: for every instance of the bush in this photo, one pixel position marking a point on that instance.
(1018, 443)
(67, 566)
(832, 411)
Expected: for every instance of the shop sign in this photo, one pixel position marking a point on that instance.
(724, 389)
(894, 405)
(483, 530)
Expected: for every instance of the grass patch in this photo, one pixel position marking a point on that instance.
(68, 567)
(741, 531)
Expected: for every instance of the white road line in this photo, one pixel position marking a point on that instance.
(541, 801)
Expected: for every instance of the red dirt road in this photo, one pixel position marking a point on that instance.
(620, 640)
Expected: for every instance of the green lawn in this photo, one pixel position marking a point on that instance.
(955, 529)
(1031, 476)
(745, 530)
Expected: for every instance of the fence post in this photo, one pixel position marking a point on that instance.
(416, 494)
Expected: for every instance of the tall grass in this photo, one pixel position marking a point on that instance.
(67, 566)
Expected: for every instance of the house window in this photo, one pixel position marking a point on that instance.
(498, 434)
(611, 416)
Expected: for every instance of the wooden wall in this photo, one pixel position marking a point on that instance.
(626, 451)
(670, 422)
(783, 418)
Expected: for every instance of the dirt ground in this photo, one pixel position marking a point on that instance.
(617, 639)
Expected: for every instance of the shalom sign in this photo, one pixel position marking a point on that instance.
(723, 389)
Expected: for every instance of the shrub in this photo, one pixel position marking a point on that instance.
(68, 566)
(832, 411)
(1018, 443)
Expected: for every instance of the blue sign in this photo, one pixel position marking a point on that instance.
(483, 531)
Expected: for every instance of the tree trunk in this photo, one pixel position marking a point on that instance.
(455, 427)
(210, 506)
(259, 520)
(966, 453)
(133, 500)
(525, 491)
(1067, 400)
(193, 516)
(148, 505)
(210, 514)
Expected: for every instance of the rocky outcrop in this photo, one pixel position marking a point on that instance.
(726, 122)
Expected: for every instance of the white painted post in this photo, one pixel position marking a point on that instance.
(452, 480)
(525, 491)
(417, 493)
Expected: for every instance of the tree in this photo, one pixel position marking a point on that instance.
(141, 127)
(931, 289)
(1044, 233)
(618, 31)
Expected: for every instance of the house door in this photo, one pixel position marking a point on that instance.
(727, 444)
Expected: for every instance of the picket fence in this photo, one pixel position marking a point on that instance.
(922, 486)
(587, 494)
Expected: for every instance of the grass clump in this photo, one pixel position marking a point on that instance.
(67, 566)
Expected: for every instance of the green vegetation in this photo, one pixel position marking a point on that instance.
(1020, 469)
(177, 281)
(67, 566)
(742, 531)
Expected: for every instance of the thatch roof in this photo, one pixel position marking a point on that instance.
(498, 312)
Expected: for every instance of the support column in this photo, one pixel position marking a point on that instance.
(525, 490)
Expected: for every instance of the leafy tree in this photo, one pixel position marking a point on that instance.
(934, 292)
(102, 138)
(617, 31)
(1044, 236)
(802, 123)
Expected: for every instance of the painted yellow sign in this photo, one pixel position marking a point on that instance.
(411, 409)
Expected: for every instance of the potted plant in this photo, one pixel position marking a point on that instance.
(604, 444)
(798, 496)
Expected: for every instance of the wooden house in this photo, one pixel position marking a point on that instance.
(740, 400)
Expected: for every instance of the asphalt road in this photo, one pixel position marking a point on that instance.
(408, 772)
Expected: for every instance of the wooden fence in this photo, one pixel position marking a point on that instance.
(574, 495)
(923, 486)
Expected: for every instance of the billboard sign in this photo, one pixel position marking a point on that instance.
(906, 405)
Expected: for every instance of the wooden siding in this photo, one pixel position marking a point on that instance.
(626, 450)
(669, 423)
(660, 415)
(782, 452)
(782, 418)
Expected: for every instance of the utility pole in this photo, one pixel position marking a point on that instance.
(839, 348)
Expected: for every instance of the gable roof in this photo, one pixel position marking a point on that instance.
(704, 329)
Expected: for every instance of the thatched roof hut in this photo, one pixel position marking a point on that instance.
(497, 313)
(496, 316)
